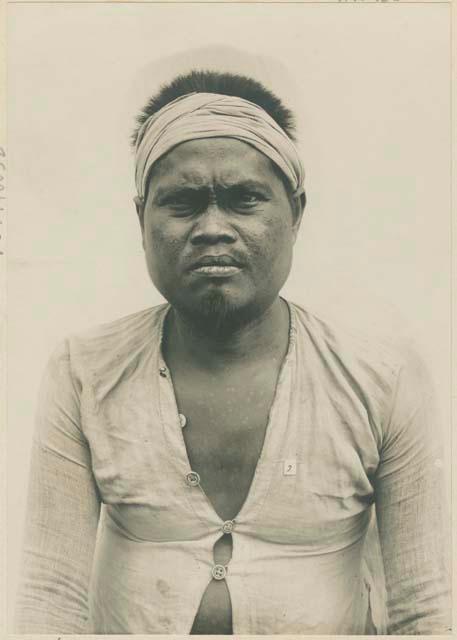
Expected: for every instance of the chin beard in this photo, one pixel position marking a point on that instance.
(216, 315)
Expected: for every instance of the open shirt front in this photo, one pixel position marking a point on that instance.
(352, 426)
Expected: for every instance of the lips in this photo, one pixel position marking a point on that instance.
(216, 265)
(216, 261)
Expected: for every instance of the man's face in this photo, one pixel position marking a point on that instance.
(218, 229)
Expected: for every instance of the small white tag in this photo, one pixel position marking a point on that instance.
(290, 467)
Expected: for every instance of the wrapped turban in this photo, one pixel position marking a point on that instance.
(212, 115)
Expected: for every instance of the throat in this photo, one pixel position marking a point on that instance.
(211, 347)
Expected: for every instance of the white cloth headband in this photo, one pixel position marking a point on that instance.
(212, 115)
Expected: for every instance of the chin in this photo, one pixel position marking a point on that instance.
(217, 312)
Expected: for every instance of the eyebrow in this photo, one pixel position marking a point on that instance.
(171, 190)
(248, 184)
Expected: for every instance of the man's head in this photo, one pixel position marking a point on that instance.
(220, 196)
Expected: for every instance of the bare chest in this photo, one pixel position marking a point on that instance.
(226, 422)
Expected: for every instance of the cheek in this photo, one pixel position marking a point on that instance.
(162, 244)
(272, 242)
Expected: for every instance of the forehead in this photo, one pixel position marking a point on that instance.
(224, 160)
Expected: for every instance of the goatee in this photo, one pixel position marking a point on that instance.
(217, 315)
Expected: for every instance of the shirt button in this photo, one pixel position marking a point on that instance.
(228, 526)
(163, 372)
(193, 479)
(219, 572)
(182, 420)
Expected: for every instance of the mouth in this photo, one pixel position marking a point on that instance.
(221, 265)
(216, 270)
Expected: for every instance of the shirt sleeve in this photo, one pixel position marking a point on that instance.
(62, 512)
(410, 506)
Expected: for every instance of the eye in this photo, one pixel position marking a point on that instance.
(250, 198)
(247, 199)
(182, 204)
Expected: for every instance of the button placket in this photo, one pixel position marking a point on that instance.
(173, 423)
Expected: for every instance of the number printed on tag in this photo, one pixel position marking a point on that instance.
(290, 467)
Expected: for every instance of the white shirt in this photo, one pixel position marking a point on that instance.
(351, 425)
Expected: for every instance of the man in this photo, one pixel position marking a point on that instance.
(237, 443)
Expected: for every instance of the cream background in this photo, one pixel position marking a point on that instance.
(372, 88)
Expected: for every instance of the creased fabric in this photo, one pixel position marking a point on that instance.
(211, 115)
(62, 511)
(310, 550)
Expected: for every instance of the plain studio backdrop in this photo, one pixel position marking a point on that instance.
(371, 85)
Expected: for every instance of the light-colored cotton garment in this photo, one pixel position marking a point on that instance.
(352, 425)
(198, 116)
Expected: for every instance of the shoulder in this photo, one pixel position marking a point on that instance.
(132, 329)
(352, 348)
(379, 370)
(110, 349)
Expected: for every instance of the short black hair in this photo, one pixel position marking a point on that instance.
(203, 81)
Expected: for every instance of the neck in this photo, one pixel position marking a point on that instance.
(264, 336)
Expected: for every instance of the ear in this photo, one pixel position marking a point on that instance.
(298, 206)
(139, 205)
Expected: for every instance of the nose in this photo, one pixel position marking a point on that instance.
(213, 227)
